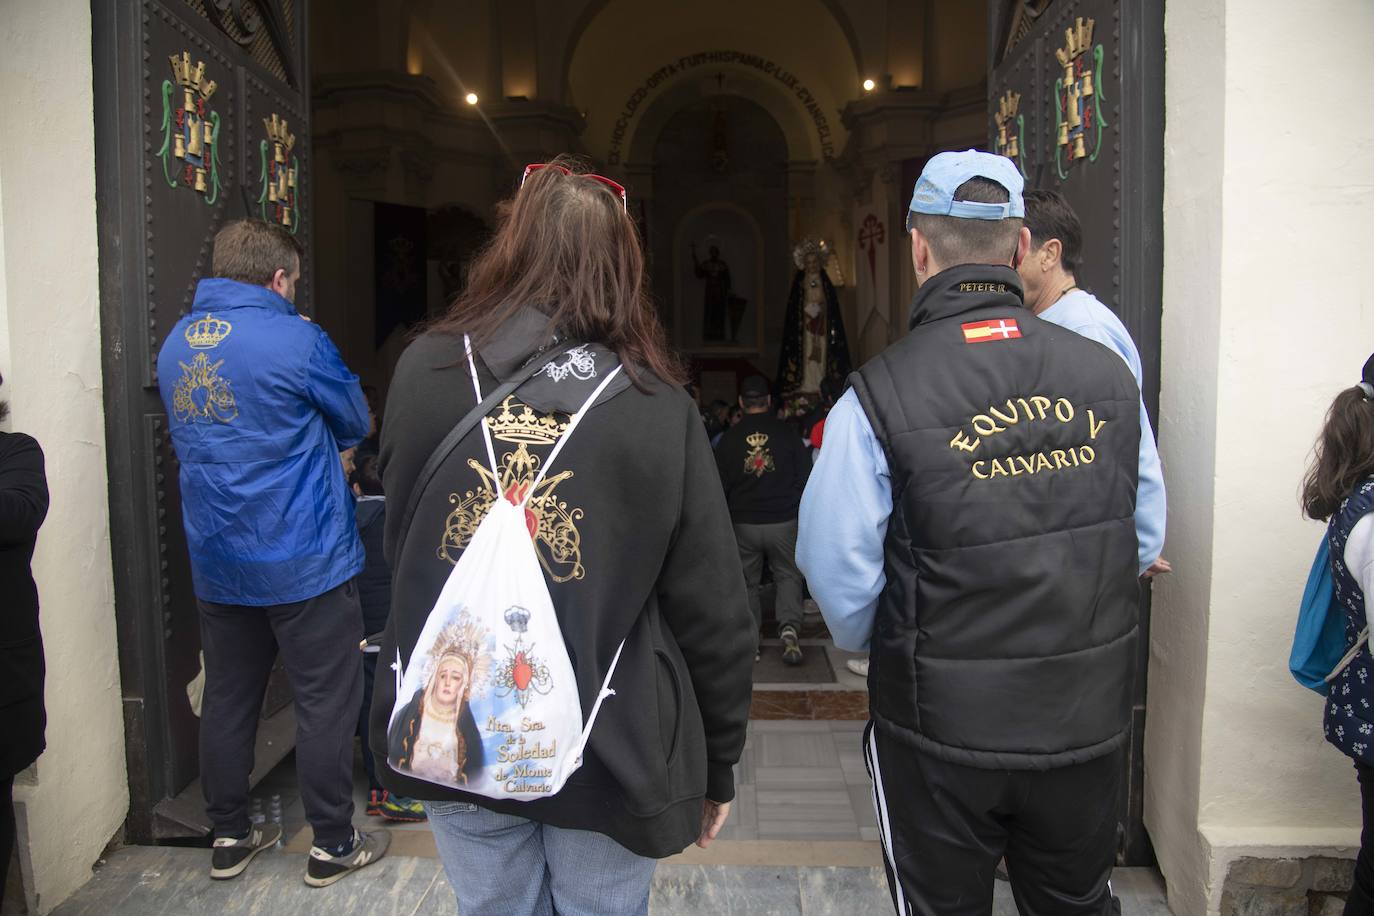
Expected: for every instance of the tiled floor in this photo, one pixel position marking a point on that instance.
(801, 839)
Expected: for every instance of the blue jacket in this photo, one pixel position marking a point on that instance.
(260, 404)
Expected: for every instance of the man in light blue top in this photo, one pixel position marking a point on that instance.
(1052, 294)
(842, 555)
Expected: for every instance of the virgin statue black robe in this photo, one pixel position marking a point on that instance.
(790, 368)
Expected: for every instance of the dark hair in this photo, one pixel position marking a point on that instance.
(1343, 456)
(1049, 216)
(367, 476)
(565, 245)
(954, 240)
(758, 403)
(4, 405)
(253, 250)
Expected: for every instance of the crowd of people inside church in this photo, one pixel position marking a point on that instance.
(549, 535)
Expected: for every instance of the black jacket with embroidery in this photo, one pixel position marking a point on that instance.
(1005, 636)
(763, 467)
(643, 551)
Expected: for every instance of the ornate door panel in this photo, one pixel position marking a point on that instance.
(202, 116)
(1076, 97)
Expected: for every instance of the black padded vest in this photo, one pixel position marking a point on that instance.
(1006, 634)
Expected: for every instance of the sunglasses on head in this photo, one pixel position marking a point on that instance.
(615, 186)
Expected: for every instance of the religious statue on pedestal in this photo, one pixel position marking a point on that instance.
(814, 346)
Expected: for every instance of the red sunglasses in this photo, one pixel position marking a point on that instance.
(615, 186)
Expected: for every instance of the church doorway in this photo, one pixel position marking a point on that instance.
(768, 149)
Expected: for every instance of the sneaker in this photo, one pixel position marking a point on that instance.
(230, 856)
(409, 810)
(375, 799)
(858, 665)
(324, 869)
(791, 648)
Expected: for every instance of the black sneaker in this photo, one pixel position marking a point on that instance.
(791, 648)
(231, 856)
(324, 869)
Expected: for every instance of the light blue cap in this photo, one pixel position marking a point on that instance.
(934, 194)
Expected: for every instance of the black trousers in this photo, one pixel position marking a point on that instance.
(6, 831)
(318, 639)
(1361, 899)
(944, 826)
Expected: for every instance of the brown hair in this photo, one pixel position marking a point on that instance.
(955, 240)
(1049, 216)
(1344, 454)
(253, 250)
(565, 245)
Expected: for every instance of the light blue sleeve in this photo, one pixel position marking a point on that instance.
(843, 524)
(1150, 503)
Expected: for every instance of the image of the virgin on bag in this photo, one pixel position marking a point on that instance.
(434, 735)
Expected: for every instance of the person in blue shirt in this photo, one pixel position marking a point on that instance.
(1052, 294)
(259, 405)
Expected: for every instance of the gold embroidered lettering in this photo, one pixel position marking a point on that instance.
(1042, 405)
(1086, 453)
(1011, 418)
(1063, 410)
(1060, 460)
(1041, 462)
(997, 469)
(988, 427)
(1094, 425)
(961, 440)
(1024, 463)
(977, 473)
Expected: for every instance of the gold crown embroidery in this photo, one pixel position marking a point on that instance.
(207, 333)
(551, 522)
(759, 461)
(201, 395)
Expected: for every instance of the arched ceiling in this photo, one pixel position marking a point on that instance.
(632, 52)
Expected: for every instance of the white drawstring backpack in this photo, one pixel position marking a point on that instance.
(489, 703)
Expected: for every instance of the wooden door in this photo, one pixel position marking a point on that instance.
(202, 116)
(1076, 97)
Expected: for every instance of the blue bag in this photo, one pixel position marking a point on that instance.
(1319, 643)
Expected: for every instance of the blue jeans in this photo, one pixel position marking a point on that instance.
(502, 865)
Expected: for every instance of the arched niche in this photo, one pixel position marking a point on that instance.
(738, 202)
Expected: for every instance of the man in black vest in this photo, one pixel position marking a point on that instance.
(763, 466)
(970, 524)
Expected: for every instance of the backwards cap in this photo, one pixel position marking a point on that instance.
(944, 173)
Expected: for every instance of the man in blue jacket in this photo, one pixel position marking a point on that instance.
(260, 404)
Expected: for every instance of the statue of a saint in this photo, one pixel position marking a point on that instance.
(716, 302)
(814, 346)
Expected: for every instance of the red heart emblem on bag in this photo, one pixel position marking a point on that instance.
(521, 672)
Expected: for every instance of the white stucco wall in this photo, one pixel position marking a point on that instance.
(1267, 315)
(76, 798)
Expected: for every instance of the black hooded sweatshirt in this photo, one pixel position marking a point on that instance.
(646, 554)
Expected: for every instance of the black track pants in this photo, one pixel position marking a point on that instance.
(944, 826)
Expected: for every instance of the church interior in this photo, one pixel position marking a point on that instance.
(755, 140)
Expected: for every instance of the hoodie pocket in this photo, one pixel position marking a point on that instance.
(669, 706)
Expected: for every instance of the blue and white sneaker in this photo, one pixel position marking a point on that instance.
(324, 869)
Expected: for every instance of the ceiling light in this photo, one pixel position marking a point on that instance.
(471, 98)
(868, 85)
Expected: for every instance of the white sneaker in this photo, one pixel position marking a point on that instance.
(858, 665)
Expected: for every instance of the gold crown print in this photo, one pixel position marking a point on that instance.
(756, 440)
(207, 333)
(281, 137)
(1078, 38)
(192, 77)
(521, 423)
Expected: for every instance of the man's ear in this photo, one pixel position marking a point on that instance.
(1051, 253)
(1023, 244)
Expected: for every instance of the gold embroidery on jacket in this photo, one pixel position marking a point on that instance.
(551, 522)
(201, 395)
(759, 461)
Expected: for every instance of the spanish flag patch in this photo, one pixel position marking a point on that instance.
(988, 331)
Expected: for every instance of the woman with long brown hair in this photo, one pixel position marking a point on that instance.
(1339, 490)
(632, 536)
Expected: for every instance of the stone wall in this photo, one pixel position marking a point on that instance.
(1287, 887)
